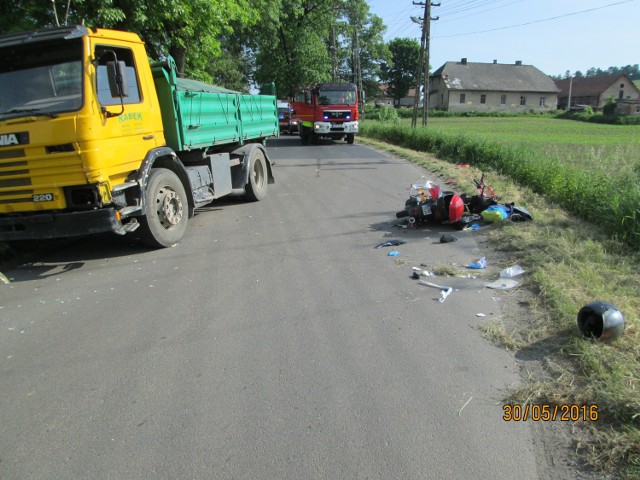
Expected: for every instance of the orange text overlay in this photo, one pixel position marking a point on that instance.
(546, 413)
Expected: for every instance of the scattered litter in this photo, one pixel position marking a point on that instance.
(480, 315)
(447, 238)
(473, 226)
(503, 284)
(418, 272)
(512, 271)
(460, 411)
(391, 243)
(444, 291)
(479, 265)
(394, 253)
(462, 165)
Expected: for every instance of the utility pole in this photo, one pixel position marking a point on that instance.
(358, 69)
(423, 64)
(416, 98)
(569, 100)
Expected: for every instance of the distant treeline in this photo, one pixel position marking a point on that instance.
(632, 71)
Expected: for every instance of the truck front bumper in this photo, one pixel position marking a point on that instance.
(39, 226)
(338, 128)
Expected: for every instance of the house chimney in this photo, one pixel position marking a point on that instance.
(518, 62)
(463, 61)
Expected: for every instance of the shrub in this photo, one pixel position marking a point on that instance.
(386, 114)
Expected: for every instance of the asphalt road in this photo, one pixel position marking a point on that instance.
(274, 342)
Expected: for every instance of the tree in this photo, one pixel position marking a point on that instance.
(371, 48)
(188, 30)
(400, 74)
(290, 48)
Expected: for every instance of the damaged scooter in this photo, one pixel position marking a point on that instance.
(429, 203)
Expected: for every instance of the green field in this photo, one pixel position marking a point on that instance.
(589, 145)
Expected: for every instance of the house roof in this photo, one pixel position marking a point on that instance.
(501, 77)
(587, 86)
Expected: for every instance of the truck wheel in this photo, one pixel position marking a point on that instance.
(350, 138)
(166, 210)
(257, 186)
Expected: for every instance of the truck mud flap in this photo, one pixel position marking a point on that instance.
(57, 225)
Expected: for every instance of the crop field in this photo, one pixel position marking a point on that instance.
(610, 148)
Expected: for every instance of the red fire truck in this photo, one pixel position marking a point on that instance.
(327, 110)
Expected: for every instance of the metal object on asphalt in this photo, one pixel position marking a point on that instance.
(444, 291)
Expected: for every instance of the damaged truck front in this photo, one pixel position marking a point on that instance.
(94, 138)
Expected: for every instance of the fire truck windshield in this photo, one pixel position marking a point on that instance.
(41, 81)
(336, 97)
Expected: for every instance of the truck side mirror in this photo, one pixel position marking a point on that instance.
(116, 73)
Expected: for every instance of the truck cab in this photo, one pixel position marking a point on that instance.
(93, 139)
(327, 110)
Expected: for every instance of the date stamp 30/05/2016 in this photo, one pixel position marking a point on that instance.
(548, 413)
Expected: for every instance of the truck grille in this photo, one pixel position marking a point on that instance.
(41, 171)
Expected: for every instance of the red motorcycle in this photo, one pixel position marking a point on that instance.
(428, 203)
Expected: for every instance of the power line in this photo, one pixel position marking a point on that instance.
(476, 12)
(535, 21)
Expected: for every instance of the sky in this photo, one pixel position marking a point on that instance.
(552, 35)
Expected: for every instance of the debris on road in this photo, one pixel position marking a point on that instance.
(391, 243)
(394, 253)
(479, 265)
(512, 271)
(418, 272)
(503, 284)
(444, 291)
(448, 238)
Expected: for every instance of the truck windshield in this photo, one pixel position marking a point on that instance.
(336, 97)
(41, 80)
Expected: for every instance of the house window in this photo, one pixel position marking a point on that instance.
(542, 99)
(483, 98)
(622, 85)
(621, 94)
(503, 99)
(462, 98)
(523, 100)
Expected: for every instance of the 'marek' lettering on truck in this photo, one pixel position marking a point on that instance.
(94, 138)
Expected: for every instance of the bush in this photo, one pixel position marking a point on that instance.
(386, 114)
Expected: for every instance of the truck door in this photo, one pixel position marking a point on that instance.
(131, 124)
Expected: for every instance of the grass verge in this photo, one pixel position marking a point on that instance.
(571, 262)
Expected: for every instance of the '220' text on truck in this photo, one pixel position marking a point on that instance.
(327, 110)
(94, 138)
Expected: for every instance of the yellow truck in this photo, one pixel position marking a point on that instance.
(96, 138)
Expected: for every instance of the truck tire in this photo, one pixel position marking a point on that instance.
(257, 187)
(166, 210)
(350, 138)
